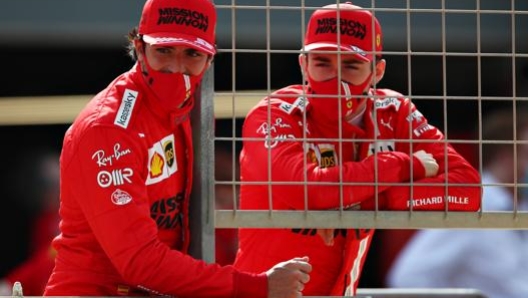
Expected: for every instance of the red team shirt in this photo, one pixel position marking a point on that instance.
(392, 121)
(126, 170)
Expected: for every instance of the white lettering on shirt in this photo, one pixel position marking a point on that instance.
(387, 102)
(125, 109)
(103, 160)
(438, 200)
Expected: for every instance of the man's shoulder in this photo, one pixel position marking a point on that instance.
(115, 108)
(108, 120)
(387, 93)
(117, 105)
(388, 99)
(289, 100)
(289, 92)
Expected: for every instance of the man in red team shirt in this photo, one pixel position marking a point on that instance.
(336, 129)
(126, 176)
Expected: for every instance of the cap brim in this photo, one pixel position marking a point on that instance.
(172, 39)
(359, 53)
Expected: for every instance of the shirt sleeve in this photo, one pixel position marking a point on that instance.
(274, 151)
(109, 170)
(457, 184)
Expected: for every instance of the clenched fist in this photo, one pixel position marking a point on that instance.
(428, 161)
(287, 279)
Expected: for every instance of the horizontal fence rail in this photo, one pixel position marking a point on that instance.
(371, 219)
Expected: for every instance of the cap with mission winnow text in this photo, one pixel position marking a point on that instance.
(359, 31)
(179, 22)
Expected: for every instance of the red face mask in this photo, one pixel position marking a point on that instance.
(174, 90)
(332, 93)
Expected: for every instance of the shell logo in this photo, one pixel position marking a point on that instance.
(162, 161)
(156, 165)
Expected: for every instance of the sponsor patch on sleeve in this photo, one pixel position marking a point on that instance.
(125, 109)
(415, 116)
(161, 160)
(275, 133)
(103, 159)
(300, 103)
(114, 177)
(121, 197)
(387, 102)
(422, 129)
(109, 173)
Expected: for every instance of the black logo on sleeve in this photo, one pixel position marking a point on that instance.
(168, 213)
(328, 159)
(168, 147)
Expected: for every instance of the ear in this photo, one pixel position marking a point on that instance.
(210, 60)
(303, 64)
(379, 71)
(140, 49)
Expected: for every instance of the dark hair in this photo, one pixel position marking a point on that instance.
(131, 37)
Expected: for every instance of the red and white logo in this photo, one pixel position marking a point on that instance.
(161, 160)
(120, 197)
(115, 177)
(422, 129)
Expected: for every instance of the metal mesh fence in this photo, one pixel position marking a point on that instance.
(456, 60)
